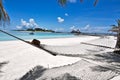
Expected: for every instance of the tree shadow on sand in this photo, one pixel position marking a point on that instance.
(2, 64)
(33, 74)
(100, 68)
(65, 76)
(110, 60)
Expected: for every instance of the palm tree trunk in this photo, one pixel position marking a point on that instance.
(118, 42)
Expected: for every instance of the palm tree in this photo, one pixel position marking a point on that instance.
(3, 15)
(116, 28)
(63, 2)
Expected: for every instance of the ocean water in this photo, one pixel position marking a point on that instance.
(37, 35)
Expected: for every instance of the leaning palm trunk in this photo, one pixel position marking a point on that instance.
(117, 44)
(118, 38)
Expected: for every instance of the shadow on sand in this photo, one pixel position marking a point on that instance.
(109, 60)
(1, 65)
(33, 74)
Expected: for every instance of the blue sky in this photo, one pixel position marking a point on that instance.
(49, 14)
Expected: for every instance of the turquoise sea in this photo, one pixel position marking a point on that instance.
(37, 35)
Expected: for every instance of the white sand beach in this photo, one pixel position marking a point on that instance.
(21, 57)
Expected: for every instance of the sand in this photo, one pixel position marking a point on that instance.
(21, 57)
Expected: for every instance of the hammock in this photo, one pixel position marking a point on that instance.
(40, 47)
(64, 50)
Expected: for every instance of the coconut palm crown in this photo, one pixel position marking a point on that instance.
(115, 28)
(3, 15)
(63, 2)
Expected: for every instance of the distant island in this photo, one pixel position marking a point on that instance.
(76, 32)
(35, 29)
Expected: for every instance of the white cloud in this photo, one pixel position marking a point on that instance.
(72, 28)
(66, 14)
(25, 25)
(87, 27)
(32, 23)
(31, 20)
(18, 27)
(72, 1)
(60, 20)
(95, 29)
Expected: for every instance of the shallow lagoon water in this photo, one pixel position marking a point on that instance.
(37, 35)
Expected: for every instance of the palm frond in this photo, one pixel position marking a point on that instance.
(96, 1)
(118, 21)
(62, 2)
(115, 28)
(3, 15)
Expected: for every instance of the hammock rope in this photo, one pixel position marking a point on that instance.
(54, 53)
(40, 47)
(100, 46)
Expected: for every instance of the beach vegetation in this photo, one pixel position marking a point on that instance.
(44, 30)
(36, 29)
(75, 31)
